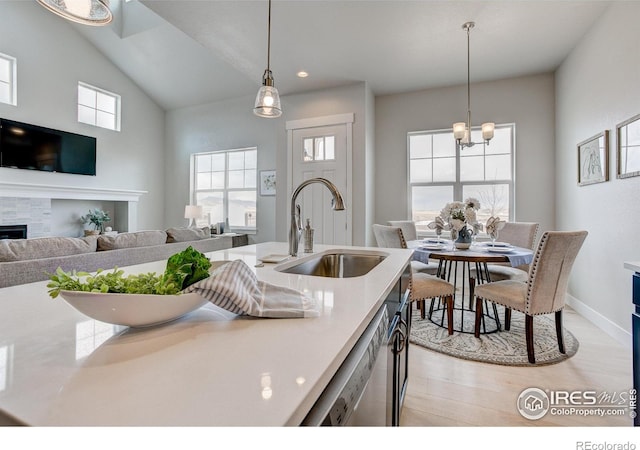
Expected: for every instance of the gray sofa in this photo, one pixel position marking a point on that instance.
(28, 260)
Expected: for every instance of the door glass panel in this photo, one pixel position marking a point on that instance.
(307, 145)
(330, 147)
(318, 151)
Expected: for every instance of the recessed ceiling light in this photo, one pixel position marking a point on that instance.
(302, 74)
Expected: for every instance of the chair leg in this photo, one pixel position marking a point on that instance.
(478, 316)
(528, 327)
(472, 288)
(449, 301)
(422, 308)
(507, 319)
(559, 331)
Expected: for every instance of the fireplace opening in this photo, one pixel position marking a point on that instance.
(13, 231)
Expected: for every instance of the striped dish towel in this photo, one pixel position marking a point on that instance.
(234, 287)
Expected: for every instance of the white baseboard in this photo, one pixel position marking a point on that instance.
(612, 329)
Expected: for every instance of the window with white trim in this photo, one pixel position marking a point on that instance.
(98, 107)
(224, 183)
(8, 80)
(440, 173)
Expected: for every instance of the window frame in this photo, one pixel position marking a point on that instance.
(117, 110)
(13, 79)
(458, 185)
(193, 195)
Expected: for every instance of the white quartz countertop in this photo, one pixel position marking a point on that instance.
(212, 368)
(632, 265)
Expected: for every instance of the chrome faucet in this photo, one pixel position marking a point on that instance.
(295, 230)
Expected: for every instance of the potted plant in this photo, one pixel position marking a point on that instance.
(97, 218)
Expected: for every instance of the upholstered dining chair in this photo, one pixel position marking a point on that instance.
(423, 286)
(408, 228)
(545, 289)
(519, 234)
(386, 236)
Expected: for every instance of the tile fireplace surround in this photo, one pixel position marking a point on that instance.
(22, 203)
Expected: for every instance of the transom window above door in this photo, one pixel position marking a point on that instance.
(319, 148)
(440, 173)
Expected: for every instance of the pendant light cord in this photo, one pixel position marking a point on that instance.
(269, 39)
(468, 82)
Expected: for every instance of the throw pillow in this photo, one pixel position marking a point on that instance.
(130, 240)
(188, 234)
(45, 247)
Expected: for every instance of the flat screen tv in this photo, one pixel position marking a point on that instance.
(24, 146)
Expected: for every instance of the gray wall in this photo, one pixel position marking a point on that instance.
(528, 102)
(52, 57)
(597, 88)
(232, 124)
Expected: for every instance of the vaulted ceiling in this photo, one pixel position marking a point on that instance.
(184, 52)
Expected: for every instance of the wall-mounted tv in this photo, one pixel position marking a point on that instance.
(24, 146)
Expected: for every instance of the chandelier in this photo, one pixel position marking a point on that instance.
(268, 99)
(462, 130)
(86, 12)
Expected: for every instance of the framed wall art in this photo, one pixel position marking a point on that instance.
(628, 148)
(268, 182)
(593, 159)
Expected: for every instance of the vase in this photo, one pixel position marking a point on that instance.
(463, 241)
(91, 232)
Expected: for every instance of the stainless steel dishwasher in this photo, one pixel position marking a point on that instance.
(357, 395)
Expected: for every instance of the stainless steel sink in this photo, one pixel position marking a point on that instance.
(335, 264)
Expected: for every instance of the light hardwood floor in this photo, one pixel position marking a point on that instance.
(447, 391)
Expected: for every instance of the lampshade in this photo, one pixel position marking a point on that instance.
(192, 212)
(487, 130)
(87, 12)
(459, 129)
(268, 99)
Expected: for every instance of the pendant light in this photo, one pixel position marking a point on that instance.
(268, 99)
(86, 12)
(462, 130)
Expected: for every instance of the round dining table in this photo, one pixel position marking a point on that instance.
(477, 257)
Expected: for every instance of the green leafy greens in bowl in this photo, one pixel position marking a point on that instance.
(183, 269)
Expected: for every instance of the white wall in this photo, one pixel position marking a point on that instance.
(232, 124)
(52, 57)
(598, 87)
(528, 102)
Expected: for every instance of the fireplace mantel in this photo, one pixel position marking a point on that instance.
(125, 201)
(68, 192)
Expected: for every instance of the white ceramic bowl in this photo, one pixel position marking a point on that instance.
(133, 310)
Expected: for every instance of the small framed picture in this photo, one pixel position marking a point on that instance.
(628, 148)
(268, 182)
(593, 159)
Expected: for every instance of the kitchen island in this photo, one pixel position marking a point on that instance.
(209, 368)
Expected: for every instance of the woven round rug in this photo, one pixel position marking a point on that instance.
(502, 347)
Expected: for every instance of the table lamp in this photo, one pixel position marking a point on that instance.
(192, 212)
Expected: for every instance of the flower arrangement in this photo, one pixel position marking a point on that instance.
(97, 218)
(457, 215)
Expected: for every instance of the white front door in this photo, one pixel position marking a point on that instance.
(321, 151)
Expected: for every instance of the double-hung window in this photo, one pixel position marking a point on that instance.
(8, 83)
(439, 173)
(98, 107)
(224, 184)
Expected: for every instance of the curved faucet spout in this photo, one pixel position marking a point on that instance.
(295, 230)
